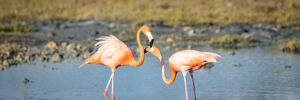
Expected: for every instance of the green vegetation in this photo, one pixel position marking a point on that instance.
(290, 46)
(124, 30)
(215, 41)
(169, 12)
(14, 29)
(232, 41)
(127, 38)
(177, 37)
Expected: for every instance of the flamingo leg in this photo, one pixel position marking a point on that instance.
(185, 86)
(195, 94)
(112, 87)
(108, 83)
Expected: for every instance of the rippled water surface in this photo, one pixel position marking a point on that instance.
(260, 77)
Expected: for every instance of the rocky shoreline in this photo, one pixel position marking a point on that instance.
(12, 54)
(56, 40)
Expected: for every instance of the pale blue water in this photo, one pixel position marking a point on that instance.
(260, 77)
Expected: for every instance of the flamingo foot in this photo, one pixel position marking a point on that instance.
(112, 97)
(105, 95)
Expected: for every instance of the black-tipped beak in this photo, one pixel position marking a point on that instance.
(145, 51)
(151, 43)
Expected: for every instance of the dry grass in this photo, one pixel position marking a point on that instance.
(169, 12)
(290, 45)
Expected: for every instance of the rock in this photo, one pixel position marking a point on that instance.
(75, 54)
(12, 62)
(19, 57)
(64, 44)
(43, 58)
(63, 26)
(10, 53)
(25, 80)
(259, 25)
(51, 45)
(71, 47)
(231, 53)
(65, 56)
(268, 27)
(167, 47)
(123, 32)
(169, 40)
(5, 63)
(174, 44)
(71, 37)
(51, 34)
(187, 29)
(191, 33)
(78, 47)
(28, 58)
(189, 47)
(276, 29)
(112, 25)
(54, 68)
(24, 49)
(202, 30)
(56, 57)
(86, 55)
(84, 48)
(286, 66)
(38, 51)
(95, 32)
(248, 35)
(45, 53)
(218, 31)
(1, 68)
(237, 65)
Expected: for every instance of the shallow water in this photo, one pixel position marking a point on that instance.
(260, 77)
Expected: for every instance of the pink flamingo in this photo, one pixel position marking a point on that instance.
(114, 53)
(184, 61)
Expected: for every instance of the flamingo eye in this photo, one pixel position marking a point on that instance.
(204, 61)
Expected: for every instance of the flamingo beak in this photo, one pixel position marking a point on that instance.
(150, 38)
(145, 51)
(151, 43)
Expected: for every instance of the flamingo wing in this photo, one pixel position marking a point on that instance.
(112, 51)
(186, 59)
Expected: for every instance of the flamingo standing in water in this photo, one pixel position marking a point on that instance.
(184, 61)
(113, 53)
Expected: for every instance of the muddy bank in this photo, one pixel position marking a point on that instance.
(81, 31)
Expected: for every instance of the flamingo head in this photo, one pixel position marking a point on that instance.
(147, 31)
(210, 57)
(154, 51)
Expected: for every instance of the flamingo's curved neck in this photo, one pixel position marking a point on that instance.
(142, 55)
(173, 73)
